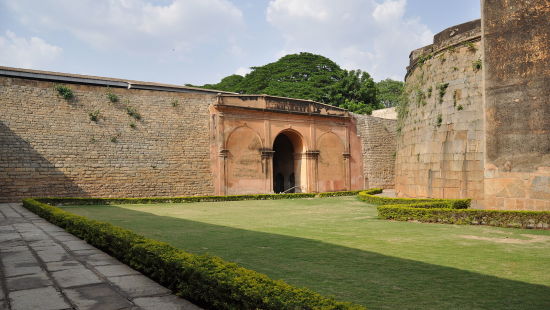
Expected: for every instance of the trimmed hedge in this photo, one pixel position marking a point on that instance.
(64, 201)
(369, 197)
(205, 280)
(453, 211)
(342, 193)
(501, 218)
(61, 201)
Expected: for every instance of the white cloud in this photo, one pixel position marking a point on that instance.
(242, 71)
(389, 11)
(22, 52)
(357, 34)
(136, 26)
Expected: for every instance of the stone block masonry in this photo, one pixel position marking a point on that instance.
(377, 137)
(517, 104)
(50, 146)
(440, 144)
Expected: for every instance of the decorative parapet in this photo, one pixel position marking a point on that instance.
(280, 104)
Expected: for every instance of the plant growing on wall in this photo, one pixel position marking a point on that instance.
(471, 46)
(133, 112)
(476, 65)
(133, 125)
(175, 103)
(429, 91)
(442, 88)
(439, 120)
(420, 97)
(64, 91)
(95, 115)
(423, 58)
(456, 97)
(112, 97)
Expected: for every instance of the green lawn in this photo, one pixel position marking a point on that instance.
(337, 246)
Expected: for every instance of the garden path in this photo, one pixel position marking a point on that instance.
(44, 267)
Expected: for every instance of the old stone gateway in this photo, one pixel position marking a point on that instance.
(137, 139)
(271, 144)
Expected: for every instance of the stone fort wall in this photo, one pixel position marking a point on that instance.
(516, 36)
(477, 120)
(50, 147)
(440, 144)
(377, 137)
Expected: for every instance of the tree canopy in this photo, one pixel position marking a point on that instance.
(389, 92)
(308, 76)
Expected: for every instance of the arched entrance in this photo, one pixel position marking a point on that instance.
(287, 162)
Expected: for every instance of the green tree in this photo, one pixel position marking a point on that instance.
(389, 92)
(355, 91)
(229, 83)
(307, 76)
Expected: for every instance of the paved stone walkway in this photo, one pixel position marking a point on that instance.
(44, 267)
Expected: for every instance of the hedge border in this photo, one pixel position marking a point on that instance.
(499, 218)
(208, 281)
(63, 201)
(369, 197)
(453, 211)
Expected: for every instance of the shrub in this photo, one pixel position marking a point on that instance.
(112, 97)
(453, 211)
(95, 115)
(149, 200)
(64, 91)
(133, 112)
(442, 87)
(342, 193)
(501, 218)
(476, 65)
(471, 46)
(205, 280)
(369, 197)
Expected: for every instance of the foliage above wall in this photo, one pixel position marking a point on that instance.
(314, 77)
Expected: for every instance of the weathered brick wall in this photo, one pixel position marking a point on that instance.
(516, 38)
(440, 138)
(377, 137)
(50, 147)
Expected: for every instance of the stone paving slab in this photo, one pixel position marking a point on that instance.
(138, 286)
(44, 267)
(100, 296)
(44, 298)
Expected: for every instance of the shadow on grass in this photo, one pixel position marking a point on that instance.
(368, 278)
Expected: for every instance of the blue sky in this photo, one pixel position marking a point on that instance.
(202, 41)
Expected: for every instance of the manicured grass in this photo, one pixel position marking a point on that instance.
(338, 247)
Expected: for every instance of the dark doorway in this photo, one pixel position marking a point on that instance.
(283, 164)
